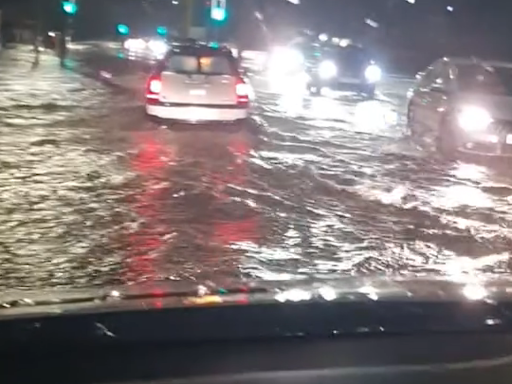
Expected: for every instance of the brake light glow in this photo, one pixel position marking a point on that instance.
(242, 91)
(154, 88)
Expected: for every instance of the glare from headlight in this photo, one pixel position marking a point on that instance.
(474, 119)
(135, 44)
(327, 70)
(157, 46)
(283, 59)
(373, 73)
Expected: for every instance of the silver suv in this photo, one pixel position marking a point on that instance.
(198, 83)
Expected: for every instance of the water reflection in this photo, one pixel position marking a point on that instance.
(374, 116)
(150, 228)
(462, 195)
(334, 110)
(288, 85)
(185, 211)
(245, 229)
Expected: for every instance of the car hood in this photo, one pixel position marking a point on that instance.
(179, 294)
(500, 107)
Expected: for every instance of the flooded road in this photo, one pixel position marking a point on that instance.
(92, 194)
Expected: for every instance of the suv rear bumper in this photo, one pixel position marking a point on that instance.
(193, 113)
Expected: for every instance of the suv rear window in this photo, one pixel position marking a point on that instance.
(200, 64)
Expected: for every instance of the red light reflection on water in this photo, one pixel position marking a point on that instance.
(241, 230)
(151, 164)
(163, 169)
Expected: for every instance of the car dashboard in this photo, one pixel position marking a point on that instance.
(360, 342)
(399, 358)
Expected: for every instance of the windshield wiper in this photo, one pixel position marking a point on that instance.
(116, 294)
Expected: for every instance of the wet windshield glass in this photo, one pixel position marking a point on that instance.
(129, 160)
(487, 80)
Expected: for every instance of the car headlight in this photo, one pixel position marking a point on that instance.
(327, 69)
(135, 44)
(158, 47)
(474, 119)
(373, 73)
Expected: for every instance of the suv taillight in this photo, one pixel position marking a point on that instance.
(242, 91)
(154, 87)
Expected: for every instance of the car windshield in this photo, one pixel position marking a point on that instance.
(351, 55)
(492, 80)
(203, 146)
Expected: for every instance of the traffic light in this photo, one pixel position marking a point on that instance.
(162, 31)
(218, 10)
(69, 7)
(123, 29)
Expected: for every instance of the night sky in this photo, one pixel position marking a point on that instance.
(479, 27)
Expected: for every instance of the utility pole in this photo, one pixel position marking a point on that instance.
(69, 7)
(2, 37)
(189, 11)
(38, 31)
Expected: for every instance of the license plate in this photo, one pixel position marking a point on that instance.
(349, 81)
(197, 92)
(508, 139)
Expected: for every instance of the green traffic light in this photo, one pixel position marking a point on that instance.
(218, 14)
(69, 7)
(123, 29)
(162, 31)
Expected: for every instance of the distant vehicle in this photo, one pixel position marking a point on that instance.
(464, 105)
(197, 83)
(344, 68)
(146, 48)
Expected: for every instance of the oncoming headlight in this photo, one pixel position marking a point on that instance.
(135, 44)
(158, 47)
(373, 73)
(327, 69)
(474, 118)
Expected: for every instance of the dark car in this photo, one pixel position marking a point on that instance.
(347, 68)
(463, 105)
